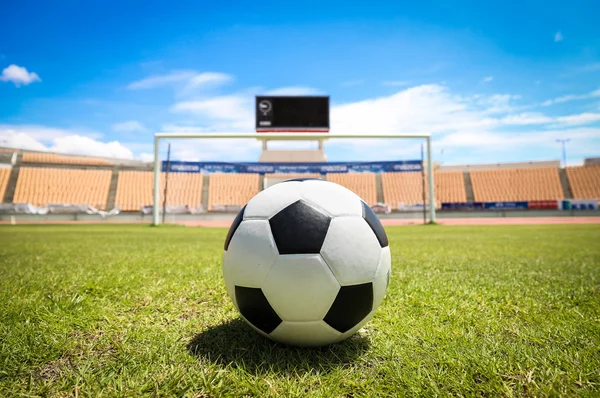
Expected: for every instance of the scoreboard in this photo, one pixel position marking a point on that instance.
(292, 113)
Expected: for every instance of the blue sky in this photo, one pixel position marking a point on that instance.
(493, 82)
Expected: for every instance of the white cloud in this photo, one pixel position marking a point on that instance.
(208, 78)
(294, 90)
(185, 80)
(577, 120)
(396, 83)
(162, 80)
(87, 146)
(233, 109)
(19, 75)
(572, 97)
(558, 37)
(512, 140)
(129, 126)
(146, 157)
(485, 121)
(211, 149)
(487, 79)
(41, 138)
(497, 103)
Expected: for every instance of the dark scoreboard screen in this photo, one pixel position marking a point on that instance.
(292, 113)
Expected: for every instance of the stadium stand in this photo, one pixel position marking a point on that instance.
(51, 158)
(450, 187)
(584, 181)
(4, 176)
(516, 184)
(43, 186)
(362, 184)
(231, 189)
(408, 187)
(134, 190)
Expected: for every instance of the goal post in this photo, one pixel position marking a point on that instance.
(285, 137)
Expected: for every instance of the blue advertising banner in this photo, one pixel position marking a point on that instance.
(264, 168)
(579, 204)
(505, 205)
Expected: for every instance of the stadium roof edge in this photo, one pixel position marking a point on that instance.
(291, 136)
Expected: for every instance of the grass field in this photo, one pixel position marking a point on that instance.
(134, 310)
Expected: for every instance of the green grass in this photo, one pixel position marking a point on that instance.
(132, 310)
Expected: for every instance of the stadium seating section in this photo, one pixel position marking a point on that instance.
(516, 184)
(450, 187)
(4, 176)
(87, 181)
(134, 190)
(32, 157)
(408, 187)
(584, 181)
(43, 186)
(362, 184)
(231, 189)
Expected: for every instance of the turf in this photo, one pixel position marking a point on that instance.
(133, 310)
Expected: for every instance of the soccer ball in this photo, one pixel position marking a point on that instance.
(306, 262)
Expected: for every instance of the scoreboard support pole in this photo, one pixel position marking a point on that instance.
(286, 137)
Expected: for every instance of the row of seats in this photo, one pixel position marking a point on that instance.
(32, 157)
(408, 187)
(362, 184)
(42, 186)
(135, 189)
(231, 189)
(516, 184)
(584, 181)
(4, 176)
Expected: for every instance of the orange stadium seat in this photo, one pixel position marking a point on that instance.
(584, 181)
(44, 186)
(362, 184)
(231, 189)
(450, 187)
(541, 183)
(135, 189)
(33, 157)
(4, 176)
(407, 187)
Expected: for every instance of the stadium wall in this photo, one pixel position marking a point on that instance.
(491, 166)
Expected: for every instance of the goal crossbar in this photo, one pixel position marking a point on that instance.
(285, 137)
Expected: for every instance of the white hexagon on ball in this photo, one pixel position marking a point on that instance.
(250, 254)
(300, 287)
(351, 250)
(335, 199)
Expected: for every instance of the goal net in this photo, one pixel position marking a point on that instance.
(272, 172)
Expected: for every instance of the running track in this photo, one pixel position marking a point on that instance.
(386, 222)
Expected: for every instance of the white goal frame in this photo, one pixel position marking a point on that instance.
(284, 137)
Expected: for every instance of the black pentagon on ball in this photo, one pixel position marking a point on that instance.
(234, 226)
(302, 179)
(351, 305)
(300, 228)
(373, 221)
(255, 307)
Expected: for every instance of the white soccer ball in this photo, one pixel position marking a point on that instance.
(306, 262)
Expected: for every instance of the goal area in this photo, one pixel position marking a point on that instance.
(286, 136)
